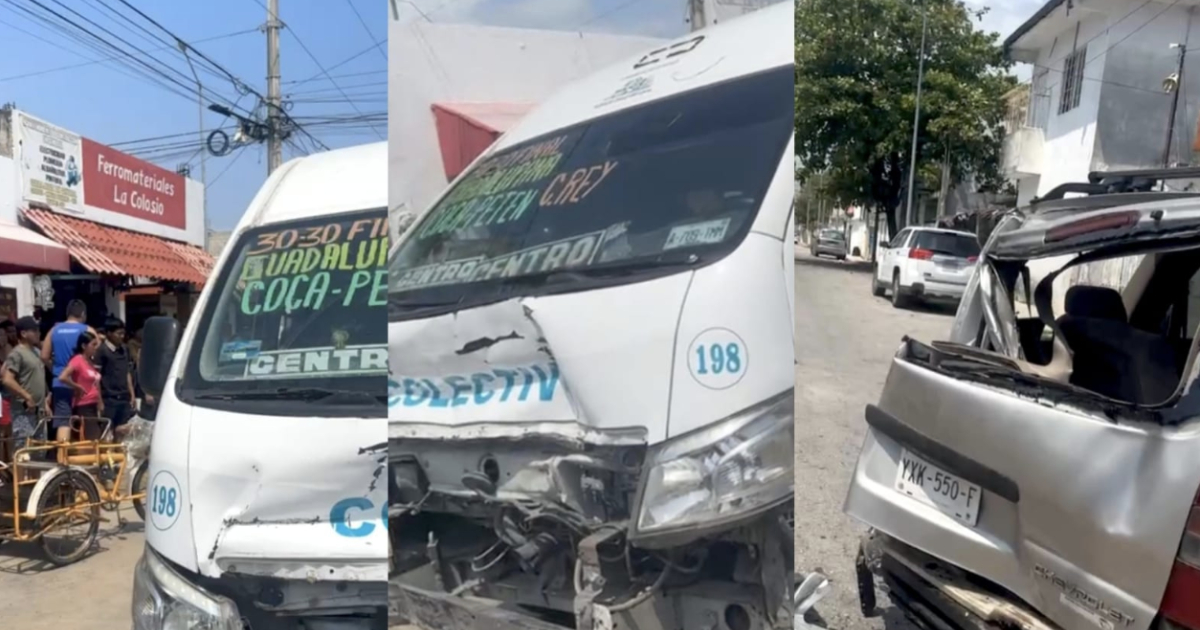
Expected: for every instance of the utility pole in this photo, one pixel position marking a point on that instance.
(274, 98)
(697, 15)
(1178, 87)
(945, 184)
(912, 166)
(204, 151)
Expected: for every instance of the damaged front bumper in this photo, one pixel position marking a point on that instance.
(167, 596)
(692, 533)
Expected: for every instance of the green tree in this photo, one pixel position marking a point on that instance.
(856, 69)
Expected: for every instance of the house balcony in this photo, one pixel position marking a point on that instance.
(1025, 134)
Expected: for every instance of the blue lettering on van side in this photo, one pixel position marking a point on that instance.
(496, 386)
(343, 514)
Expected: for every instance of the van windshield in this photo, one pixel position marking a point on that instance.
(297, 314)
(662, 186)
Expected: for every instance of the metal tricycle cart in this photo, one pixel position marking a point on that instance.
(52, 493)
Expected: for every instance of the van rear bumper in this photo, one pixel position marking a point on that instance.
(936, 594)
(937, 291)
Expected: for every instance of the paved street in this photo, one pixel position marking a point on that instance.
(844, 339)
(92, 594)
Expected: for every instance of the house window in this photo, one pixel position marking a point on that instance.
(1072, 81)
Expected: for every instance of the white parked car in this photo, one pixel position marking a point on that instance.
(925, 264)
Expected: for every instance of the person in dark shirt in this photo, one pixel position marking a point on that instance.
(116, 375)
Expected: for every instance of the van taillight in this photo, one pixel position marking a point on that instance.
(1181, 601)
(1102, 223)
(972, 259)
(917, 253)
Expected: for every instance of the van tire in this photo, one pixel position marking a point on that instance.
(899, 300)
(877, 289)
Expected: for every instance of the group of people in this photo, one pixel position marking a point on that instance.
(74, 373)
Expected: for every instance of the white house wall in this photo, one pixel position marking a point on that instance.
(9, 194)
(1070, 137)
(1121, 122)
(429, 63)
(1134, 109)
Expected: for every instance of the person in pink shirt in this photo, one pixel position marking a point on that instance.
(83, 378)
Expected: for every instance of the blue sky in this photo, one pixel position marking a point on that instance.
(40, 68)
(109, 103)
(41, 71)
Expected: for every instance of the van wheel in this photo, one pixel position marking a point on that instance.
(898, 299)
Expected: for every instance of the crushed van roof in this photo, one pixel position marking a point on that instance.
(1173, 219)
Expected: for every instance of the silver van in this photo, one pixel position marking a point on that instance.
(1040, 468)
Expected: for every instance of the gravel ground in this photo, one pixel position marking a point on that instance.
(844, 340)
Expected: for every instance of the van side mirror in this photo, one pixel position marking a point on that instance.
(160, 340)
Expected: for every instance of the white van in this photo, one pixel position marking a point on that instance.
(591, 353)
(267, 499)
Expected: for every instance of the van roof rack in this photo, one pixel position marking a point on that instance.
(1125, 182)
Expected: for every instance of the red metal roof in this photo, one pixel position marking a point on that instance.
(24, 251)
(107, 250)
(465, 130)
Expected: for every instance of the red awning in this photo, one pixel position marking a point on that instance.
(113, 251)
(24, 251)
(465, 130)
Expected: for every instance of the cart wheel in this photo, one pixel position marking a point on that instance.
(68, 517)
(139, 487)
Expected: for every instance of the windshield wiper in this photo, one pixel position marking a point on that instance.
(308, 394)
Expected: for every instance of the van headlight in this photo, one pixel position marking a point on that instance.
(723, 472)
(164, 600)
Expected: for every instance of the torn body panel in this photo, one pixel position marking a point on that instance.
(537, 526)
(266, 513)
(521, 361)
(1104, 514)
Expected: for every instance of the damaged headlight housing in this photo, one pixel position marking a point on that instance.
(164, 600)
(721, 473)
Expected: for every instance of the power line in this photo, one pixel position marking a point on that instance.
(366, 28)
(38, 73)
(225, 170)
(46, 23)
(339, 76)
(325, 76)
(154, 73)
(241, 85)
(316, 61)
(186, 79)
(1107, 49)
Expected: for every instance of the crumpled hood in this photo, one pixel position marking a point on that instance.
(631, 364)
(553, 362)
(297, 498)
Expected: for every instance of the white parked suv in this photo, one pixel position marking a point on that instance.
(925, 264)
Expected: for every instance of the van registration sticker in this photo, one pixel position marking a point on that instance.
(702, 233)
(950, 494)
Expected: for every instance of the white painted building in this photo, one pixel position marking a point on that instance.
(90, 222)
(454, 88)
(1096, 101)
(1096, 98)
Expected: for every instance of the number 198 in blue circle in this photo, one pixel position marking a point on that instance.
(163, 501)
(718, 359)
